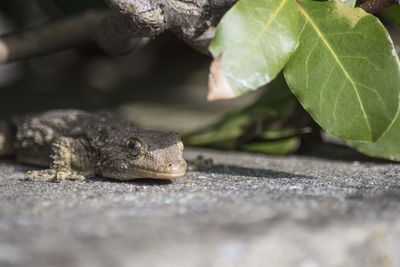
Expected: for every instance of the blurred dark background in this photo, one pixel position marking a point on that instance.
(161, 85)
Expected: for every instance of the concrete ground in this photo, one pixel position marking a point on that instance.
(246, 210)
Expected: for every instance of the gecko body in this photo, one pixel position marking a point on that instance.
(73, 144)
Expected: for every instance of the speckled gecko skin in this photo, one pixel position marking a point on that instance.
(74, 144)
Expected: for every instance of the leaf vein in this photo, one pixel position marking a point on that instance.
(367, 60)
(340, 64)
(336, 100)
(307, 59)
(324, 86)
(378, 95)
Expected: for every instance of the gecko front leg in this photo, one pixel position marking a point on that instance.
(71, 159)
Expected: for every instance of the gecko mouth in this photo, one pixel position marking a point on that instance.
(160, 175)
(172, 171)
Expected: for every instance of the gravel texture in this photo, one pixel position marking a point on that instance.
(245, 210)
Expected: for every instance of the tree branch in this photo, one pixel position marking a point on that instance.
(194, 21)
(120, 32)
(373, 6)
(49, 37)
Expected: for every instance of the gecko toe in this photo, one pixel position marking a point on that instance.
(53, 175)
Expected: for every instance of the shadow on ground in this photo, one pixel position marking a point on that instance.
(340, 152)
(233, 170)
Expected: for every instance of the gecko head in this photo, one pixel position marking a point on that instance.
(139, 153)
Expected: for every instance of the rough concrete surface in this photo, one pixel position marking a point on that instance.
(246, 210)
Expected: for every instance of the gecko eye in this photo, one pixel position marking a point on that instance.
(136, 146)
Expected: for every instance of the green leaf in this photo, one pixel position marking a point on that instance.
(254, 41)
(388, 146)
(270, 113)
(345, 72)
(278, 147)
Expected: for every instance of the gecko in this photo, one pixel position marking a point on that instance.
(75, 144)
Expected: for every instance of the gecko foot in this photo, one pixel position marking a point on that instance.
(53, 175)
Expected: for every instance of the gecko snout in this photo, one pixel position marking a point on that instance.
(176, 167)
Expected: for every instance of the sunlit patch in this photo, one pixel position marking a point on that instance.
(180, 145)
